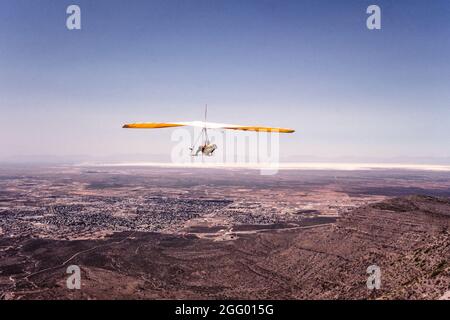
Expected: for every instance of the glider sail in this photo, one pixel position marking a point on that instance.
(207, 125)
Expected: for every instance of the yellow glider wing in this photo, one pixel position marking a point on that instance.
(151, 125)
(207, 125)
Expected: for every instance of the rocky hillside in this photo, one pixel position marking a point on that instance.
(408, 238)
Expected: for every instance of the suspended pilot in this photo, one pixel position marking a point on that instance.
(207, 149)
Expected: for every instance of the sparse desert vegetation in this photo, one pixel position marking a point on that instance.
(149, 233)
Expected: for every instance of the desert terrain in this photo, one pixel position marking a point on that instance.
(178, 233)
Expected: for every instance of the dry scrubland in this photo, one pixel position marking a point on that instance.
(187, 233)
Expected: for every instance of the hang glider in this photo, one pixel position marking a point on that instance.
(205, 125)
(206, 147)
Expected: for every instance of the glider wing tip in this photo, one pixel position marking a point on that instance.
(283, 130)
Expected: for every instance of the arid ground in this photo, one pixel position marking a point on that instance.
(164, 233)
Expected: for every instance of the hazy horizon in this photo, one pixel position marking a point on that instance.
(165, 158)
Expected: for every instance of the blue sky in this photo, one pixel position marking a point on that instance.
(310, 65)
